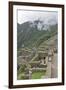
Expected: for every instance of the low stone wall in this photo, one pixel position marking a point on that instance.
(38, 69)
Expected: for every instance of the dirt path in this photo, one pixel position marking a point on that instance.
(54, 66)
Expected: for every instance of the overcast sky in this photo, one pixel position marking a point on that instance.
(46, 16)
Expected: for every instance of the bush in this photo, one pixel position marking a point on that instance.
(22, 68)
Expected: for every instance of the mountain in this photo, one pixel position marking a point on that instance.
(32, 34)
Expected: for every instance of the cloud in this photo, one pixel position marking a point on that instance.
(45, 16)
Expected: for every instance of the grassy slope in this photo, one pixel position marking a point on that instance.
(38, 74)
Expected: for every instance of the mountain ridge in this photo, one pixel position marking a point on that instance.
(29, 35)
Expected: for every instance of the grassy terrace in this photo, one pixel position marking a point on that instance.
(38, 74)
(35, 75)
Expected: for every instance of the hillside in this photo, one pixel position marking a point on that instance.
(33, 34)
(34, 43)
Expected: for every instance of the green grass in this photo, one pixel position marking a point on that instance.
(35, 75)
(38, 74)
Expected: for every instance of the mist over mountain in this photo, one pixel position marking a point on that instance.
(33, 33)
(47, 17)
